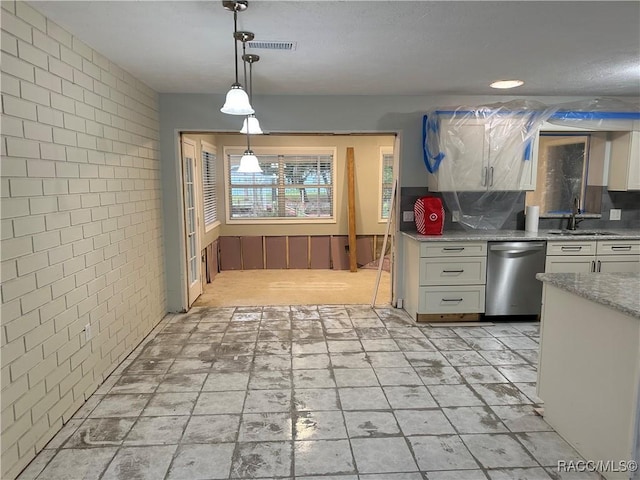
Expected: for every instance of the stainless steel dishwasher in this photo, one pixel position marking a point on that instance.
(512, 288)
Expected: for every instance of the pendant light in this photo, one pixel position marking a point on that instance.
(248, 162)
(251, 124)
(237, 100)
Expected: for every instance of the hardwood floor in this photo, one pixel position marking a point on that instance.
(295, 287)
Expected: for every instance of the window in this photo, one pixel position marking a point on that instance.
(292, 186)
(386, 181)
(209, 194)
(563, 173)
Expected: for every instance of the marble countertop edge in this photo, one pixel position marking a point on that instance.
(516, 235)
(620, 291)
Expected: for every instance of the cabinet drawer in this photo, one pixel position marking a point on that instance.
(571, 248)
(618, 247)
(463, 299)
(449, 271)
(450, 249)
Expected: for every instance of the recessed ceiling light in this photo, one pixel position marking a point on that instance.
(506, 83)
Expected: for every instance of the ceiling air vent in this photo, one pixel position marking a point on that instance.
(265, 45)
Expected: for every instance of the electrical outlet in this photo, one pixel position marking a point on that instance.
(87, 332)
(455, 216)
(615, 214)
(407, 216)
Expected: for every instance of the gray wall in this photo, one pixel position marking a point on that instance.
(338, 114)
(629, 202)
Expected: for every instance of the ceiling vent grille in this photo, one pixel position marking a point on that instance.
(265, 45)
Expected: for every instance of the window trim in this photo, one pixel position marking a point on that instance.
(384, 150)
(239, 150)
(210, 148)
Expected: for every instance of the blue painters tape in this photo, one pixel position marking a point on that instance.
(565, 115)
(596, 116)
(430, 125)
(527, 152)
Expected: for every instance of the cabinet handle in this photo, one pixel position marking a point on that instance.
(593, 265)
(452, 271)
(452, 249)
(451, 299)
(484, 176)
(599, 266)
(620, 247)
(491, 177)
(571, 249)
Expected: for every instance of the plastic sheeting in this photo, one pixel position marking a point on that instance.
(479, 157)
(562, 167)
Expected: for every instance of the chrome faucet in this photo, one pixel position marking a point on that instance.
(575, 209)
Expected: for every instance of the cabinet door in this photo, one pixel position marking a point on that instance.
(624, 164)
(507, 164)
(577, 264)
(464, 166)
(530, 169)
(618, 264)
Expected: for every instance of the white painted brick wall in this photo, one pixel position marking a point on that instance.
(81, 225)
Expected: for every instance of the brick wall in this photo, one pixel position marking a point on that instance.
(81, 226)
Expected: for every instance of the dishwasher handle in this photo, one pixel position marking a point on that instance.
(511, 248)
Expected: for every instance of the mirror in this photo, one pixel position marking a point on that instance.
(562, 175)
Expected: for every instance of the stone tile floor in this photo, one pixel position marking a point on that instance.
(326, 392)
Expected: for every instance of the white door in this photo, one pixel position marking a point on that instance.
(191, 220)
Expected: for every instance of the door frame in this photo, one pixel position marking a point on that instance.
(194, 288)
(396, 247)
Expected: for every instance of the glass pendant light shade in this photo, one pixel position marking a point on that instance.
(251, 125)
(249, 163)
(237, 102)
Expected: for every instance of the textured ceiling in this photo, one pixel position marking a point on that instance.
(370, 48)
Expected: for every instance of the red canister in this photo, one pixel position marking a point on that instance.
(429, 215)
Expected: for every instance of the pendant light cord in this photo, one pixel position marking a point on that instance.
(235, 41)
(250, 82)
(244, 64)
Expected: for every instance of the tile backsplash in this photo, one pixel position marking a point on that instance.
(628, 202)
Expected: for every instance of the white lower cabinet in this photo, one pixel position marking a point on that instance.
(605, 256)
(444, 277)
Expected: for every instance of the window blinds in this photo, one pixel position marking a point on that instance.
(209, 193)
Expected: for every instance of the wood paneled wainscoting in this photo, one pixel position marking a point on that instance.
(293, 252)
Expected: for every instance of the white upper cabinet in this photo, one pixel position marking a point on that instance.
(484, 154)
(624, 163)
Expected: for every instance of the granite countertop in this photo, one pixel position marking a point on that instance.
(620, 291)
(516, 235)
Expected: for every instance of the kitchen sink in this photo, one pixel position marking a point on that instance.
(579, 232)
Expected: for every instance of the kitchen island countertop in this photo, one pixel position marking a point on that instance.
(620, 291)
